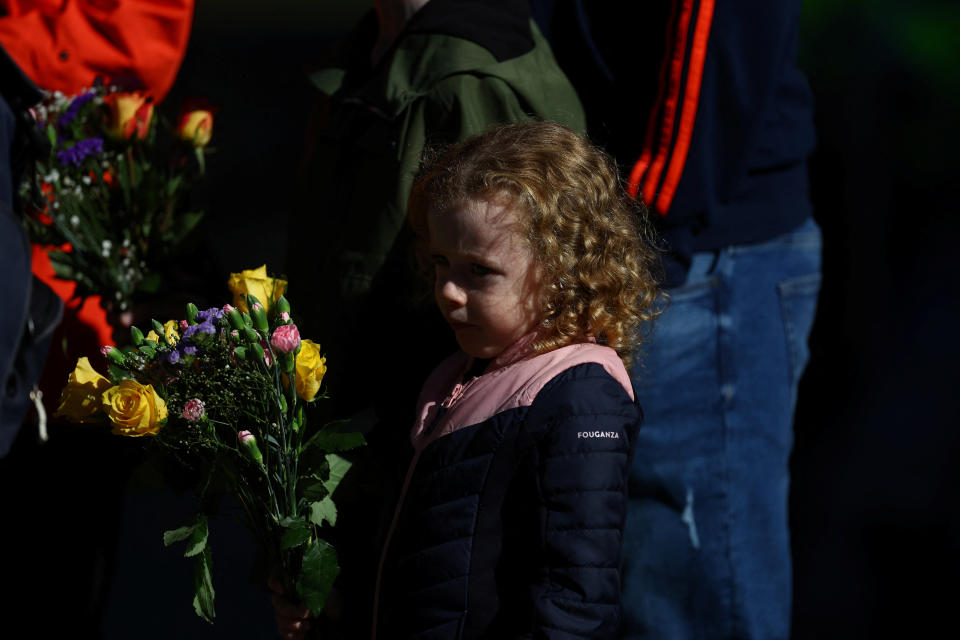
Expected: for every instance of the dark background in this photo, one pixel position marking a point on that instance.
(876, 533)
(873, 506)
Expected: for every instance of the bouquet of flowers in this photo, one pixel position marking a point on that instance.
(111, 195)
(222, 393)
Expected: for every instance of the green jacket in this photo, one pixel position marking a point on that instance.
(364, 149)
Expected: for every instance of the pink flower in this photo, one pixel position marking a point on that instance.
(227, 308)
(286, 338)
(267, 359)
(184, 324)
(256, 305)
(192, 410)
(249, 444)
(284, 316)
(104, 350)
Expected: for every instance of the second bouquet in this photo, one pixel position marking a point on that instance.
(223, 393)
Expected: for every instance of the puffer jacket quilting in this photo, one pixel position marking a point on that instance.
(511, 526)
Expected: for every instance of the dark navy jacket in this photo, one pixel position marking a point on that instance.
(703, 106)
(511, 517)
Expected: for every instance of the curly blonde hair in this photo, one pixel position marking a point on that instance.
(593, 245)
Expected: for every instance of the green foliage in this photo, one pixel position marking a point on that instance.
(203, 586)
(217, 386)
(324, 510)
(317, 575)
(296, 532)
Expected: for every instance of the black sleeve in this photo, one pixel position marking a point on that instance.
(585, 425)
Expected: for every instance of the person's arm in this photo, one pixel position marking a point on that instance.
(587, 425)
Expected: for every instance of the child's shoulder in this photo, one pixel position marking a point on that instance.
(563, 368)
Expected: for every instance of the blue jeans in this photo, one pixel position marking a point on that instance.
(707, 546)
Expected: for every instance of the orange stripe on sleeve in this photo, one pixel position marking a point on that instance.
(691, 98)
(672, 100)
(633, 183)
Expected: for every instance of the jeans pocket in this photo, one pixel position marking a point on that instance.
(798, 305)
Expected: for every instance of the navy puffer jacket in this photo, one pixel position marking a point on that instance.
(511, 517)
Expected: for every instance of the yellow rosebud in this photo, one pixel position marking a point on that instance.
(80, 399)
(170, 331)
(128, 115)
(257, 283)
(310, 370)
(152, 336)
(134, 409)
(196, 127)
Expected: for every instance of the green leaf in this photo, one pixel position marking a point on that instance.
(317, 574)
(323, 510)
(62, 265)
(195, 534)
(203, 586)
(338, 468)
(312, 488)
(198, 539)
(330, 440)
(296, 532)
(176, 535)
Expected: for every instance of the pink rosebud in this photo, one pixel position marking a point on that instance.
(244, 436)
(286, 338)
(184, 324)
(105, 349)
(227, 308)
(256, 306)
(193, 410)
(234, 334)
(285, 316)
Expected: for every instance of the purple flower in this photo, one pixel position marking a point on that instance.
(79, 152)
(189, 350)
(173, 357)
(73, 109)
(204, 327)
(212, 314)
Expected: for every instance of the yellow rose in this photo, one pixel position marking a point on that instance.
(310, 370)
(196, 127)
(170, 331)
(257, 283)
(152, 336)
(80, 399)
(134, 409)
(128, 115)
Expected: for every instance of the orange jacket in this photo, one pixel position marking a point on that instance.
(65, 44)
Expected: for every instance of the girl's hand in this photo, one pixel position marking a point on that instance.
(292, 620)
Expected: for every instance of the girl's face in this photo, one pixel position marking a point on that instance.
(487, 282)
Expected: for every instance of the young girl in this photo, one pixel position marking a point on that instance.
(511, 515)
